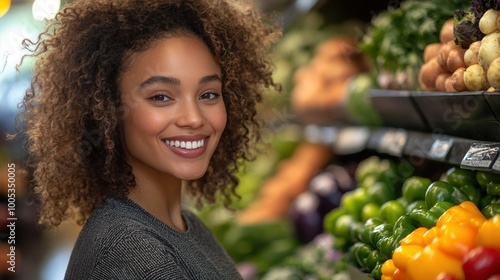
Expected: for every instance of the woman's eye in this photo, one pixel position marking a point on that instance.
(160, 98)
(209, 95)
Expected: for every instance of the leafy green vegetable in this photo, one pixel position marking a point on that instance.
(397, 37)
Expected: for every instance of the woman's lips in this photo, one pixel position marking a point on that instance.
(187, 146)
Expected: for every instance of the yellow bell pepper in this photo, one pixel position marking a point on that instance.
(388, 269)
(416, 237)
(456, 239)
(464, 213)
(488, 233)
(426, 253)
(431, 262)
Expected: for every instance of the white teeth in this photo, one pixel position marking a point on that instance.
(188, 145)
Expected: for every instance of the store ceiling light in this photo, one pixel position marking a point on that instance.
(45, 9)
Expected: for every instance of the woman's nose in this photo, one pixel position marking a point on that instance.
(190, 115)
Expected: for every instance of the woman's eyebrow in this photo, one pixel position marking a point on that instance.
(160, 80)
(210, 78)
(174, 81)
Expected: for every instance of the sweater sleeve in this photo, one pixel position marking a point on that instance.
(137, 256)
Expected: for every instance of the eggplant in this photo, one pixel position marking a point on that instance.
(329, 185)
(323, 195)
(307, 221)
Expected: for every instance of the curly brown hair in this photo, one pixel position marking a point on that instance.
(73, 111)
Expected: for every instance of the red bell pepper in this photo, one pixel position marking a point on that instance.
(481, 263)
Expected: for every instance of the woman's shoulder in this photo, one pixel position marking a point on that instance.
(116, 233)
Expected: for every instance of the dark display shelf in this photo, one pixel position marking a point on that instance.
(466, 153)
(471, 115)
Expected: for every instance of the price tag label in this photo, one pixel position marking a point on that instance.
(480, 156)
(320, 135)
(440, 149)
(393, 142)
(352, 140)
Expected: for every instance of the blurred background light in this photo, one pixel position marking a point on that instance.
(45, 9)
(4, 7)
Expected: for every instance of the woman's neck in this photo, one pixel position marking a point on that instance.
(160, 195)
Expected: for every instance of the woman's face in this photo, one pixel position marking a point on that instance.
(174, 111)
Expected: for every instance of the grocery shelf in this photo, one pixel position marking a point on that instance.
(466, 153)
(471, 115)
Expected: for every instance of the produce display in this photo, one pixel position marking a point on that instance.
(396, 39)
(320, 87)
(465, 59)
(381, 218)
(376, 221)
(463, 242)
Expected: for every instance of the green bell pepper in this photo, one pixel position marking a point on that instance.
(379, 232)
(443, 191)
(368, 167)
(428, 218)
(491, 210)
(341, 229)
(331, 218)
(487, 200)
(459, 177)
(466, 181)
(367, 229)
(483, 178)
(376, 272)
(417, 204)
(402, 201)
(391, 210)
(493, 188)
(390, 176)
(381, 192)
(370, 210)
(473, 192)
(354, 201)
(414, 188)
(358, 254)
(354, 231)
(373, 259)
(403, 226)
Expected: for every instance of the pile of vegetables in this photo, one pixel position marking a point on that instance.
(370, 225)
(396, 39)
(462, 245)
(374, 202)
(320, 86)
(444, 63)
(464, 58)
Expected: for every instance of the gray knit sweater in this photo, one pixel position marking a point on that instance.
(123, 241)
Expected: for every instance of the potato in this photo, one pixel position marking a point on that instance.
(488, 22)
(428, 74)
(444, 51)
(455, 59)
(440, 80)
(475, 78)
(448, 85)
(431, 50)
(471, 55)
(489, 49)
(446, 32)
(457, 80)
(493, 74)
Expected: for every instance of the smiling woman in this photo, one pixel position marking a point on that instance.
(130, 100)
